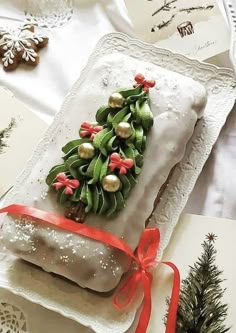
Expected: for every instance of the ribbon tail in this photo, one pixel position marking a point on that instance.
(127, 291)
(147, 303)
(174, 300)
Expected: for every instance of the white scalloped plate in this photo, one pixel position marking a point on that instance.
(230, 8)
(71, 301)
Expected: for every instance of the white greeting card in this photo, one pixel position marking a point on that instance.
(20, 130)
(195, 28)
(184, 249)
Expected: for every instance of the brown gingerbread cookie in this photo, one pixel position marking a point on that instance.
(20, 45)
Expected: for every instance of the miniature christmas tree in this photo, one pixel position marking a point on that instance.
(5, 133)
(101, 167)
(200, 306)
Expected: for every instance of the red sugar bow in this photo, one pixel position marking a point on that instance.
(140, 79)
(69, 184)
(88, 129)
(122, 164)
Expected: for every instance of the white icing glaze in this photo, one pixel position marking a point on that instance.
(177, 102)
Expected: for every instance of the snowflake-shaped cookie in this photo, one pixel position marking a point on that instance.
(20, 45)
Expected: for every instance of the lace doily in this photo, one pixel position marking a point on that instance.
(78, 304)
(12, 319)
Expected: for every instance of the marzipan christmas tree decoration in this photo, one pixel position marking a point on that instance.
(102, 166)
(20, 45)
(200, 305)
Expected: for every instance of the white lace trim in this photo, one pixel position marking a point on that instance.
(12, 319)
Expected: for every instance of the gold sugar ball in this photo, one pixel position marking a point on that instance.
(86, 150)
(111, 183)
(123, 130)
(116, 100)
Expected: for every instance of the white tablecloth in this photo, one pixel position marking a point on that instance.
(44, 89)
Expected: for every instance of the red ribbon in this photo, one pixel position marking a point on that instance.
(144, 258)
(88, 129)
(140, 79)
(69, 184)
(122, 164)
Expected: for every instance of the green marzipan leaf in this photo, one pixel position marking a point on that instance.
(110, 117)
(95, 194)
(104, 168)
(146, 116)
(112, 144)
(133, 98)
(82, 171)
(102, 114)
(72, 146)
(73, 163)
(96, 170)
(91, 167)
(127, 118)
(144, 142)
(119, 116)
(132, 180)
(126, 92)
(54, 172)
(133, 154)
(99, 136)
(76, 195)
(131, 139)
(61, 196)
(126, 186)
(112, 204)
(89, 199)
(138, 112)
(83, 195)
(139, 138)
(102, 138)
(103, 202)
(133, 110)
(120, 200)
(138, 158)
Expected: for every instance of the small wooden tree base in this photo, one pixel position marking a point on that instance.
(76, 213)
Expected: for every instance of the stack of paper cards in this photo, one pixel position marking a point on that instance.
(20, 130)
(195, 28)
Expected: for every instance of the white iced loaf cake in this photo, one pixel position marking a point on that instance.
(177, 102)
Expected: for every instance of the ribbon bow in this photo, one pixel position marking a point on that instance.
(88, 129)
(122, 164)
(144, 258)
(69, 184)
(140, 79)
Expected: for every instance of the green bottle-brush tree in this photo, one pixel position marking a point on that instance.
(5, 133)
(201, 309)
